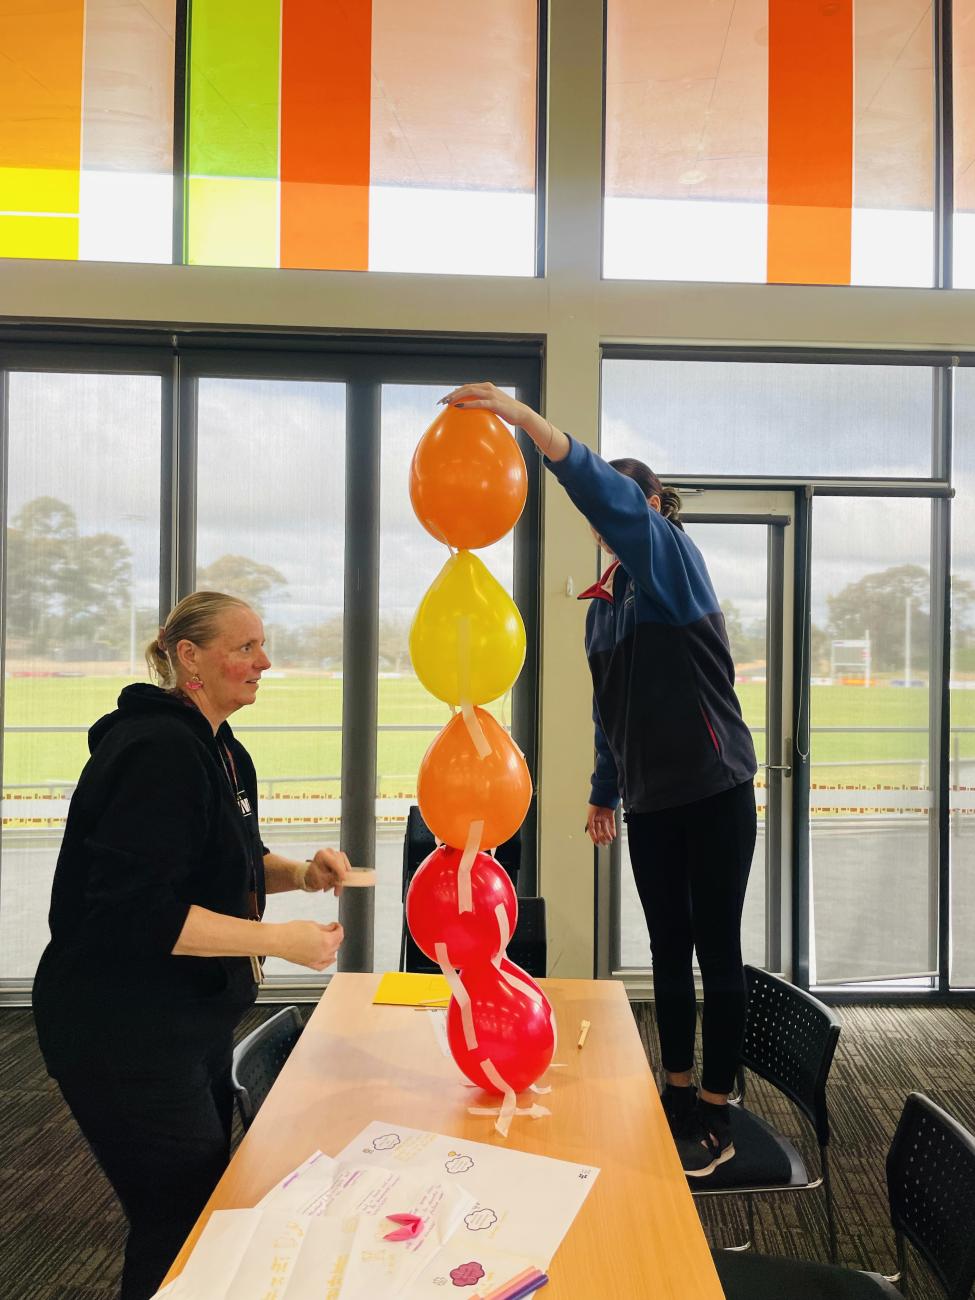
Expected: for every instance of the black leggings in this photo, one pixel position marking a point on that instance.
(162, 1136)
(691, 868)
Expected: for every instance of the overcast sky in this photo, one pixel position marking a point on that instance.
(271, 470)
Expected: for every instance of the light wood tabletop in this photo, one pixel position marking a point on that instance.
(637, 1235)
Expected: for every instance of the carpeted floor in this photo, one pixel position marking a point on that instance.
(62, 1233)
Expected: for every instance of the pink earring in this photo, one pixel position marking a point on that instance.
(194, 684)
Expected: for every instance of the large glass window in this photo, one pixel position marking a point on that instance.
(82, 537)
(363, 137)
(271, 529)
(779, 142)
(409, 717)
(962, 686)
(737, 558)
(770, 418)
(873, 875)
(86, 131)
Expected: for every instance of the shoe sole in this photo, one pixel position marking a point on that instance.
(726, 1154)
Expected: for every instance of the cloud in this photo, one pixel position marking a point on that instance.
(480, 1219)
(459, 1165)
(386, 1142)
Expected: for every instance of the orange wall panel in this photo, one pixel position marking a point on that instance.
(326, 61)
(810, 141)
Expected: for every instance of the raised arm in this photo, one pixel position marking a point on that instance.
(549, 440)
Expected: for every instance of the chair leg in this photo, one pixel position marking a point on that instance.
(830, 1216)
(752, 1240)
(903, 1281)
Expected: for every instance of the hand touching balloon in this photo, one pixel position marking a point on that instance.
(549, 440)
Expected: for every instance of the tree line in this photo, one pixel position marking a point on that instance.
(70, 596)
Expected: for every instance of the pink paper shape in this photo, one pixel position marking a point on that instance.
(412, 1226)
(467, 1274)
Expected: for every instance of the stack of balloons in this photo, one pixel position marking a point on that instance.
(468, 485)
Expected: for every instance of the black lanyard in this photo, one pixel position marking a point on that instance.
(244, 806)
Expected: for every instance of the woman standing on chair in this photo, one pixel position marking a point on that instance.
(156, 936)
(671, 743)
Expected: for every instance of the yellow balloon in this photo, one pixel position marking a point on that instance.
(467, 641)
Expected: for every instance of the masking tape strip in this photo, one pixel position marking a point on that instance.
(509, 1102)
(475, 730)
(535, 1111)
(464, 660)
(504, 931)
(461, 995)
(522, 987)
(540, 1091)
(465, 899)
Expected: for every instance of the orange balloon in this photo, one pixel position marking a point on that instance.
(456, 786)
(468, 481)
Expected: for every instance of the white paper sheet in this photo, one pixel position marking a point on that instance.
(489, 1212)
(525, 1203)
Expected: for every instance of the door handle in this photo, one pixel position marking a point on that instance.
(786, 767)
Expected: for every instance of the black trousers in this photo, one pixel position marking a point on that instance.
(691, 868)
(161, 1133)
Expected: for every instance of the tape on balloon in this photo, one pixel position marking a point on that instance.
(509, 1102)
(464, 659)
(465, 898)
(504, 932)
(474, 728)
(522, 987)
(461, 995)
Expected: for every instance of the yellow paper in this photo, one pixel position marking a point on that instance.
(397, 989)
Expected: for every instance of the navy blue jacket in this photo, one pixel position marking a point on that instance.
(669, 729)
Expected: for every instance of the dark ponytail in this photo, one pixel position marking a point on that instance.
(650, 486)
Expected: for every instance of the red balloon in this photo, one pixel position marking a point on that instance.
(434, 916)
(513, 1030)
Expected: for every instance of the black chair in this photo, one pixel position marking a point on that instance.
(790, 1038)
(528, 947)
(931, 1189)
(258, 1059)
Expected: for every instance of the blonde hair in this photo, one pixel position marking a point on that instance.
(193, 619)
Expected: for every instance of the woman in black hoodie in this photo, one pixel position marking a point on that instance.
(156, 936)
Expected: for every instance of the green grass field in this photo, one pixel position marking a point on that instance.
(33, 759)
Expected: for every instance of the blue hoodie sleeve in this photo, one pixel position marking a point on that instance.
(605, 791)
(658, 557)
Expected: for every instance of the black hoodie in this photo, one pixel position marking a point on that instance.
(153, 827)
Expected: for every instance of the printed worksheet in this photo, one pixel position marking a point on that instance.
(525, 1204)
(267, 1254)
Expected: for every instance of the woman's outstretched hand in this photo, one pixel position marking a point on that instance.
(306, 943)
(551, 442)
(488, 397)
(600, 824)
(328, 869)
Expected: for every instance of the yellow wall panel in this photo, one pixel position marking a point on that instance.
(50, 237)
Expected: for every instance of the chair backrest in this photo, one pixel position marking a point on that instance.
(419, 842)
(258, 1059)
(931, 1186)
(790, 1038)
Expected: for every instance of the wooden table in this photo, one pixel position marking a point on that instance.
(637, 1237)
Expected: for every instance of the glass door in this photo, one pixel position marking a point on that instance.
(746, 540)
(873, 826)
